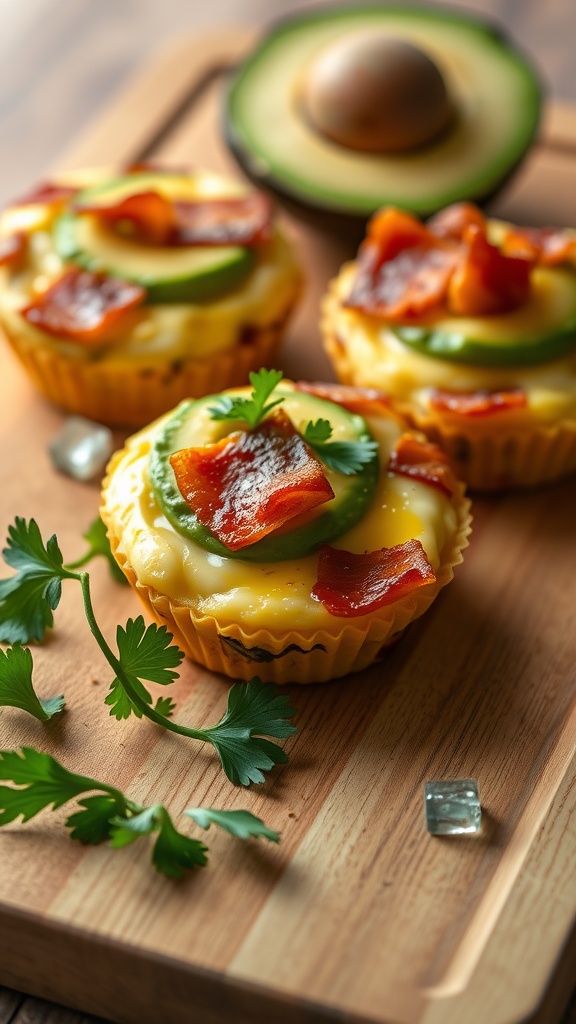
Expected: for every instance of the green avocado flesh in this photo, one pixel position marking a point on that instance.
(542, 330)
(192, 426)
(169, 274)
(495, 92)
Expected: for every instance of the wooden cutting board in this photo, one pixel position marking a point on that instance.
(359, 915)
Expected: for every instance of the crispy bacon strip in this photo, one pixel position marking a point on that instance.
(403, 269)
(478, 403)
(84, 307)
(486, 281)
(249, 484)
(47, 193)
(363, 401)
(12, 249)
(159, 221)
(414, 281)
(423, 461)
(354, 584)
(453, 221)
(547, 246)
(392, 231)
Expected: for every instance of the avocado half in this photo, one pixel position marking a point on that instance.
(495, 92)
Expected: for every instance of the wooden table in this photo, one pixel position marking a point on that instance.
(61, 60)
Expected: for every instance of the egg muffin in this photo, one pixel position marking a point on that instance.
(290, 531)
(469, 325)
(123, 293)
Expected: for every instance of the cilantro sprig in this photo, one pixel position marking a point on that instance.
(39, 781)
(346, 457)
(250, 410)
(27, 602)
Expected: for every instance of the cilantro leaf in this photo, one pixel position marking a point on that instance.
(346, 457)
(126, 830)
(100, 545)
(241, 824)
(28, 599)
(245, 758)
(173, 851)
(261, 707)
(148, 653)
(121, 706)
(39, 781)
(145, 653)
(317, 432)
(253, 409)
(93, 824)
(16, 687)
(253, 709)
(165, 706)
(44, 781)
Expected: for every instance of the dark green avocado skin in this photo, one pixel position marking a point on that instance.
(350, 225)
(329, 525)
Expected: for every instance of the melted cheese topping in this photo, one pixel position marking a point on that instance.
(157, 332)
(263, 594)
(380, 359)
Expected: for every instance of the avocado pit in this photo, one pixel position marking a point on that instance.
(476, 114)
(375, 93)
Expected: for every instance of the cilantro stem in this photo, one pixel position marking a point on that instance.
(254, 712)
(116, 665)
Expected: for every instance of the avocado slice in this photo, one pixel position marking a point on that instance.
(541, 330)
(192, 425)
(182, 274)
(495, 93)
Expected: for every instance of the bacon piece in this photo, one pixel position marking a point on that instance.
(402, 268)
(242, 221)
(152, 216)
(392, 230)
(48, 193)
(84, 307)
(453, 221)
(363, 401)
(486, 281)
(354, 584)
(415, 280)
(12, 249)
(160, 221)
(424, 461)
(478, 403)
(249, 484)
(547, 246)
(405, 268)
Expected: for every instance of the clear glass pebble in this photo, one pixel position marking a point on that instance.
(82, 448)
(452, 807)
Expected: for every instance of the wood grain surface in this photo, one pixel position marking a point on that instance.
(359, 915)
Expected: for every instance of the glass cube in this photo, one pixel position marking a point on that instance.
(82, 448)
(452, 807)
